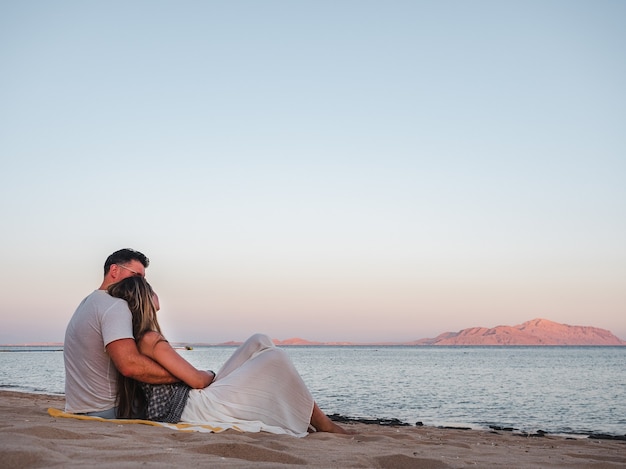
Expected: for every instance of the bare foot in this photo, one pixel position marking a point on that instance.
(321, 423)
(332, 427)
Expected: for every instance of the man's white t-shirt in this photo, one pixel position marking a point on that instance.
(90, 376)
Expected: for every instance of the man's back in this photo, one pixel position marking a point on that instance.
(90, 376)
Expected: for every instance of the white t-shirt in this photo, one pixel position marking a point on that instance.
(90, 376)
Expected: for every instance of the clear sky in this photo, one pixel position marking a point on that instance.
(333, 170)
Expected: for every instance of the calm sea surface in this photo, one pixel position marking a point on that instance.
(578, 390)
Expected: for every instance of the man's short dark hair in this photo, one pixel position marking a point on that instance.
(124, 256)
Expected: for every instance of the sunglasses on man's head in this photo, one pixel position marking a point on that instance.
(136, 274)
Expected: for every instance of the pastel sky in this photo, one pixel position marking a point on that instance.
(333, 170)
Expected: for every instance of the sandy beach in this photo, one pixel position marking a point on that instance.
(30, 438)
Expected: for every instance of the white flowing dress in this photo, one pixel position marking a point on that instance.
(257, 389)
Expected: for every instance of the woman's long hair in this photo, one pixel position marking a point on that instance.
(140, 298)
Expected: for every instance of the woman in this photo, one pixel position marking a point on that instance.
(257, 389)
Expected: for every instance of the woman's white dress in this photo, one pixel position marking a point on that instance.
(257, 389)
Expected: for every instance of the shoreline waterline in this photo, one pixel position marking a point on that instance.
(394, 422)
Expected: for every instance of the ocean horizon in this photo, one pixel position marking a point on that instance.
(536, 332)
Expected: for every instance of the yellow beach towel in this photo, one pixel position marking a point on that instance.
(188, 427)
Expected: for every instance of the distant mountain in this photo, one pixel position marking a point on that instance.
(535, 332)
(294, 341)
(299, 341)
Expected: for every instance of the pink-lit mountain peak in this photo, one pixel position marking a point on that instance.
(535, 332)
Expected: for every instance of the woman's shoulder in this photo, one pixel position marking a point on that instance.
(152, 338)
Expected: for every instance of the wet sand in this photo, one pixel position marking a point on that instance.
(31, 438)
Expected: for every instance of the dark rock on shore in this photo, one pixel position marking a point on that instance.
(538, 434)
(502, 429)
(393, 422)
(386, 422)
(603, 436)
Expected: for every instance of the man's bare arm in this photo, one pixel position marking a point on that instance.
(132, 364)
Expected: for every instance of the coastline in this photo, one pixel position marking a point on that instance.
(467, 386)
(31, 438)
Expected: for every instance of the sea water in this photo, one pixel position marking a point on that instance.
(571, 390)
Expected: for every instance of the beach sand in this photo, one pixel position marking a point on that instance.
(30, 437)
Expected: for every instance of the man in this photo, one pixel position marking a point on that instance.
(99, 342)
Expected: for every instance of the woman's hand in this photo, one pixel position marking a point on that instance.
(211, 376)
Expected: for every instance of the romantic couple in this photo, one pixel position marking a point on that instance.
(118, 365)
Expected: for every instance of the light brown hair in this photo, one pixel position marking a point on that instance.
(140, 298)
